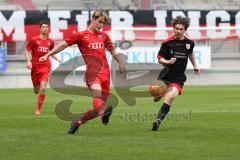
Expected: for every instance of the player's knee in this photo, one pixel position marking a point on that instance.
(36, 91)
(97, 94)
(97, 91)
(169, 97)
(42, 89)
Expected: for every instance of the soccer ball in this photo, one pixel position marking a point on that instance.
(158, 88)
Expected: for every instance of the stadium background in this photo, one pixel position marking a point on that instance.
(212, 99)
(19, 22)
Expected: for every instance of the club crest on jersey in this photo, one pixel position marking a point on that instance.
(171, 52)
(188, 46)
(49, 43)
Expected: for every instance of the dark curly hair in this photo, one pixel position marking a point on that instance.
(181, 20)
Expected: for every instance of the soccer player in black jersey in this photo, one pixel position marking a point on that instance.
(174, 54)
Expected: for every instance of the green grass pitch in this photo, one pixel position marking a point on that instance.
(204, 124)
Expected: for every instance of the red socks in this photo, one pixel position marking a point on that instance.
(98, 106)
(88, 115)
(41, 98)
(93, 113)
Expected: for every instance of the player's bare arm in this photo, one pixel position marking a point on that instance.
(166, 62)
(56, 58)
(55, 50)
(116, 56)
(28, 61)
(193, 61)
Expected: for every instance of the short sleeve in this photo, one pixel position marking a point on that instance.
(52, 45)
(164, 50)
(73, 39)
(108, 43)
(30, 45)
(191, 47)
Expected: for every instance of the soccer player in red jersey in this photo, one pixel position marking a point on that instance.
(92, 43)
(174, 54)
(36, 47)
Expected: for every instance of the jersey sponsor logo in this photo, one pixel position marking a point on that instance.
(179, 44)
(43, 49)
(188, 46)
(180, 55)
(96, 45)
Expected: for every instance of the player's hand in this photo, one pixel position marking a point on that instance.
(172, 60)
(29, 65)
(197, 71)
(122, 68)
(43, 59)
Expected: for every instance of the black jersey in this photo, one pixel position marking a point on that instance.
(179, 49)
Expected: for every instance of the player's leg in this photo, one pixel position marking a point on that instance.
(98, 108)
(98, 103)
(36, 85)
(90, 114)
(169, 97)
(36, 89)
(43, 74)
(41, 96)
(35, 81)
(105, 93)
(100, 89)
(86, 116)
(160, 76)
(171, 94)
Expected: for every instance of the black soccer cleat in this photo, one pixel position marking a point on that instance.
(74, 126)
(157, 99)
(107, 113)
(156, 125)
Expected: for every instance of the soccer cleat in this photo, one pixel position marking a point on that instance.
(157, 99)
(107, 113)
(74, 126)
(156, 125)
(37, 112)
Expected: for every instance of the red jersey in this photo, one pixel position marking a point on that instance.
(92, 47)
(39, 47)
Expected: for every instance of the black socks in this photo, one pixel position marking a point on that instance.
(163, 112)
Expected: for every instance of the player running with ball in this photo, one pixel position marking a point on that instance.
(174, 54)
(92, 43)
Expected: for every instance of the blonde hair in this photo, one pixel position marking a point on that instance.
(103, 14)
